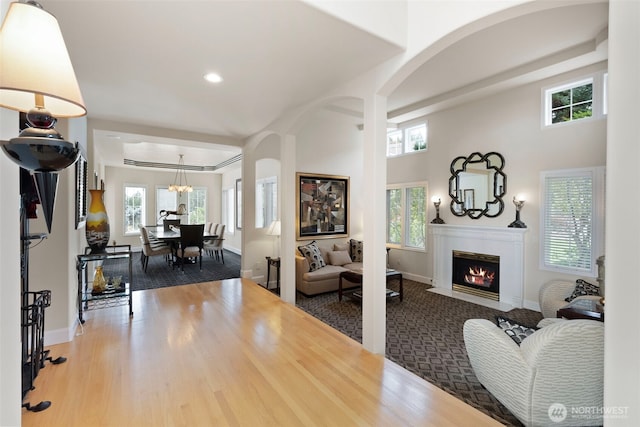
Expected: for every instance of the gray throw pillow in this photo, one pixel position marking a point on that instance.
(312, 253)
(355, 250)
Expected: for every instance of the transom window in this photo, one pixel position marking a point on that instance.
(576, 100)
(407, 215)
(407, 140)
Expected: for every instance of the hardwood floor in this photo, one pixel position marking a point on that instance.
(229, 353)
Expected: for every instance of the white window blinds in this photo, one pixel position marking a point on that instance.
(572, 224)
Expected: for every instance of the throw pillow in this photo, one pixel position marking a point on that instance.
(512, 328)
(583, 288)
(355, 249)
(312, 253)
(341, 247)
(339, 258)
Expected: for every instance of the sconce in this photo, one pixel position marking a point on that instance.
(436, 202)
(519, 202)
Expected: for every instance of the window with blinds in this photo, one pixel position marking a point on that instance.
(572, 220)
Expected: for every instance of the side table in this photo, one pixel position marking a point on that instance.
(273, 262)
(582, 309)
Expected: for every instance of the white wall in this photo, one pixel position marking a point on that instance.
(509, 123)
(330, 143)
(116, 178)
(10, 353)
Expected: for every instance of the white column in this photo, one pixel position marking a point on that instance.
(622, 340)
(375, 178)
(287, 195)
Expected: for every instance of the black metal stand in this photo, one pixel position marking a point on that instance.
(517, 223)
(437, 219)
(32, 317)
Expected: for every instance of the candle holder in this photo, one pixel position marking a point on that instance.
(519, 202)
(437, 219)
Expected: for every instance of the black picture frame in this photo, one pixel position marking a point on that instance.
(238, 204)
(322, 206)
(81, 191)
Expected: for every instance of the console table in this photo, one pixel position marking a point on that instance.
(111, 296)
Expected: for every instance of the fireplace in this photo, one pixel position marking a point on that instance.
(476, 274)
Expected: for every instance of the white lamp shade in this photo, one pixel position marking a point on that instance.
(34, 60)
(274, 229)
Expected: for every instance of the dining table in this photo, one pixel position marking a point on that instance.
(173, 234)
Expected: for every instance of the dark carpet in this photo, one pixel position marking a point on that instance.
(159, 274)
(424, 335)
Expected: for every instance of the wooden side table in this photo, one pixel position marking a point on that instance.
(273, 262)
(582, 309)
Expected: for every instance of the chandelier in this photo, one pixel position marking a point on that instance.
(177, 181)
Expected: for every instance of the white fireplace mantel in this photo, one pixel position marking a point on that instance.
(505, 242)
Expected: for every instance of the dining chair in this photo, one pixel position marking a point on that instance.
(167, 223)
(151, 249)
(214, 246)
(191, 243)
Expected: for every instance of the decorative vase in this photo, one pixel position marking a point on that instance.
(99, 282)
(97, 228)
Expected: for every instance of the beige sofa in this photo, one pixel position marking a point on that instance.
(324, 279)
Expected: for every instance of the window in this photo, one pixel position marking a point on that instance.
(165, 201)
(266, 201)
(577, 100)
(228, 210)
(572, 229)
(407, 215)
(197, 205)
(406, 140)
(134, 208)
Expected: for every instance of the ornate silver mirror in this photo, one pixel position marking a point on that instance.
(477, 185)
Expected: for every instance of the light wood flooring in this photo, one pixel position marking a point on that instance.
(229, 353)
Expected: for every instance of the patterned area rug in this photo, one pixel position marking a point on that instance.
(159, 274)
(424, 335)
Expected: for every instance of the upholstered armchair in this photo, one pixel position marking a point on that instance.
(561, 363)
(551, 296)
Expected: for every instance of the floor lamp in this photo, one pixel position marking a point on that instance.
(37, 78)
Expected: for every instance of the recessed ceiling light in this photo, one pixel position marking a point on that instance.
(213, 77)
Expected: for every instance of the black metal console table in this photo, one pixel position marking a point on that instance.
(112, 296)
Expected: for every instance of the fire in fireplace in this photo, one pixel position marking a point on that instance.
(476, 274)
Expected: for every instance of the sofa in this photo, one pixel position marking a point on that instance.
(553, 377)
(315, 276)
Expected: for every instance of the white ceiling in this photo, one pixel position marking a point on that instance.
(142, 62)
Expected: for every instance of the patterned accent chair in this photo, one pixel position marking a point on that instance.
(561, 363)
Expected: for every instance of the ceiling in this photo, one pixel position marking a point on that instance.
(142, 63)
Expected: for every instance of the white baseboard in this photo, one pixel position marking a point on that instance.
(59, 336)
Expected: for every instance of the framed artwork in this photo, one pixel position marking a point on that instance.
(238, 204)
(322, 206)
(81, 191)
